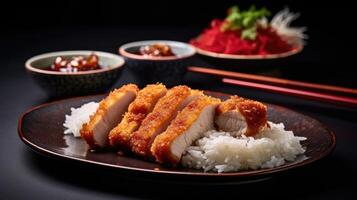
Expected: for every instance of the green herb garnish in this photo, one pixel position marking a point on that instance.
(245, 20)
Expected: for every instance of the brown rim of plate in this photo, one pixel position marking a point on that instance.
(250, 173)
(122, 51)
(296, 50)
(29, 67)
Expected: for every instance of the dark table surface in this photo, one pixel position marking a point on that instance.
(27, 175)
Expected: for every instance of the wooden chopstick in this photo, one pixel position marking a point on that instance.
(345, 101)
(276, 81)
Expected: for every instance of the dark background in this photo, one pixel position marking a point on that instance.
(37, 27)
(29, 28)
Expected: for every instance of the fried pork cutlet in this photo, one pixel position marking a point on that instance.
(242, 116)
(189, 125)
(144, 103)
(157, 121)
(108, 115)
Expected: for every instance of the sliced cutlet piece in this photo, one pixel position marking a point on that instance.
(241, 116)
(144, 103)
(108, 115)
(157, 121)
(189, 125)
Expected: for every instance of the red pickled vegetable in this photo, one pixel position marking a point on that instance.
(230, 42)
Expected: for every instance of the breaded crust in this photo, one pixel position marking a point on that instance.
(161, 147)
(163, 112)
(254, 112)
(104, 105)
(144, 103)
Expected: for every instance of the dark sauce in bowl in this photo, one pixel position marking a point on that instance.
(156, 50)
(76, 64)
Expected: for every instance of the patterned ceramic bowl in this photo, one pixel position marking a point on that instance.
(168, 70)
(63, 84)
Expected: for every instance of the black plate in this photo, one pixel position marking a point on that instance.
(41, 128)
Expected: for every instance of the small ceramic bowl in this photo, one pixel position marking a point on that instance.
(168, 70)
(64, 84)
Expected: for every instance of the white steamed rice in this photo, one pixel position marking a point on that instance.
(222, 152)
(78, 117)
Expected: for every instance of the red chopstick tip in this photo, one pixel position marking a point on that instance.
(347, 101)
(330, 89)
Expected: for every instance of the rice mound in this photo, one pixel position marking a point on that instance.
(222, 152)
(78, 117)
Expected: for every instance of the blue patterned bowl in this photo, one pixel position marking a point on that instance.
(62, 84)
(168, 70)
